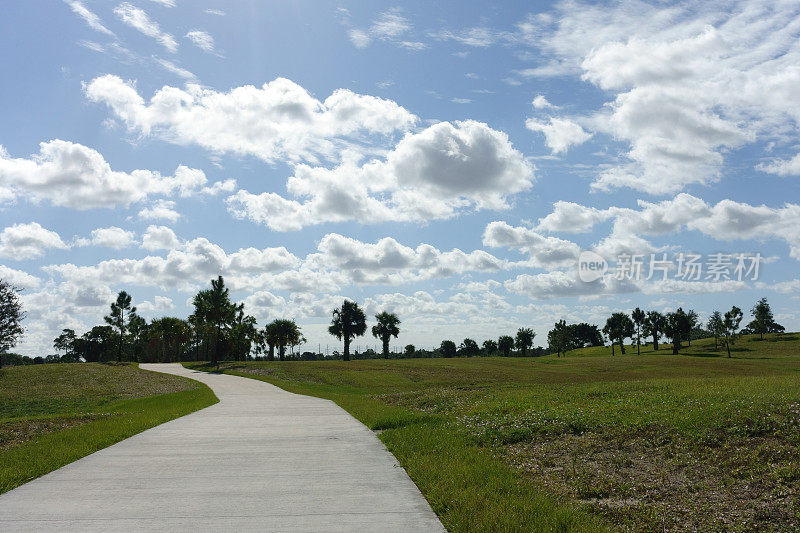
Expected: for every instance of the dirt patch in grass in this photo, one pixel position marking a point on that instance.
(642, 484)
(20, 431)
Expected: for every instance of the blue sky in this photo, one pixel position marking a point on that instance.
(446, 161)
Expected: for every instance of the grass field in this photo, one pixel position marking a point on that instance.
(652, 442)
(51, 415)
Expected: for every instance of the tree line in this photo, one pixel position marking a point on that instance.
(219, 329)
(676, 327)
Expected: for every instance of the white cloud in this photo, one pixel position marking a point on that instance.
(113, 237)
(433, 174)
(540, 102)
(688, 83)
(160, 210)
(28, 241)
(478, 37)
(359, 38)
(89, 17)
(389, 262)
(169, 66)
(279, 120)
(202, 40)
(390, 26)
(215, 12)
(159, 238)
(194, 263)
(72, 175)
(558, 284)
(545, 252)
(165, 3)
(572, 218)
(19, 278)
(159, 305)
(560, 133)
(788, 167)
(139, 20)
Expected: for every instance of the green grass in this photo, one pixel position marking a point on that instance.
(694, 441)
(51, 415)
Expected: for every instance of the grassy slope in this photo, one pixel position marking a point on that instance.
(51, 415)
(482, 436)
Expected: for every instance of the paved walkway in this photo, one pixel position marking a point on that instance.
(261, 459)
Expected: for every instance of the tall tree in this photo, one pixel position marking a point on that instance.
(638, 317)
(447, 348)
(385, 329)
(692, 320)
(119, 320)
(169, 337)
(731, 322)
(65, 342)
(762, 317)
(654, 326)
(619, 326)
(214, 307)
(716, 326)
(11, 316)
(524, 340)
(505, 344)
(558, 338)
(676, 326)
(348, 322)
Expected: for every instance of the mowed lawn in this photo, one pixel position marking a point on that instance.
(51, 415)
(588, 441)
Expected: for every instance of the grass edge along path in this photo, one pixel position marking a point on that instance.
(42, 455)
(467, 487)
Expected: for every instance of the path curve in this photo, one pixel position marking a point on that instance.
(260, 459)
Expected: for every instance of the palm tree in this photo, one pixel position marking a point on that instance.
(283, 333)
(243, 333)
(385, 329)
(638, 319)
(524, 340)
(214, 306)
(116, 319)
(348, 322)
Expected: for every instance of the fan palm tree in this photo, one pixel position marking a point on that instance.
(348, 322)
(283, 333)
(385, 329)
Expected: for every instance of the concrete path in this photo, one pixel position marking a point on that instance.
(261, 459)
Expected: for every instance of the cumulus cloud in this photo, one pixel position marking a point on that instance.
(160, 210)
(159, 238)
(72, 175)
(687, 83)
(726, 220)
(389, 262)
(433, 174)
(139, 20)
(159, 305)
(192, 264)
(112, 237)
(545, 252)
(19, 278)
(279, 120)
(559, 133)
(28, 241)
